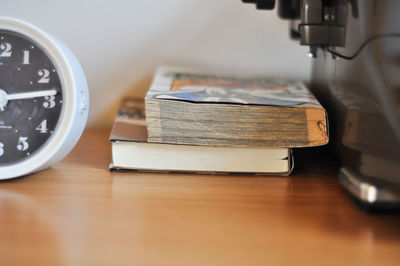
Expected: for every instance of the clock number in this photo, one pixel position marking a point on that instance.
(6, 49)
(49, 101)
(26, 58)
(45, 76)
(42, 128)
(23, 145)
(1, 149)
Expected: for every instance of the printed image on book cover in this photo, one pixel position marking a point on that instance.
(194, 87)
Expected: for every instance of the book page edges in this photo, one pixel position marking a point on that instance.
(162, 157)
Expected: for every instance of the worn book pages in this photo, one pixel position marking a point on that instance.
(186, 107)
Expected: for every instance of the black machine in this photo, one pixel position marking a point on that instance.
(355, 46)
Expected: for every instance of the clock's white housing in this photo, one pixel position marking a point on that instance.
(75, 102)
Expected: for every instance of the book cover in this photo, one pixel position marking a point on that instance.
(184, 85)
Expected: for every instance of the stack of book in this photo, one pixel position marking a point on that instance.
(202, 123)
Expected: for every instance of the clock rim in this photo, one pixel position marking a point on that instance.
(74, 111)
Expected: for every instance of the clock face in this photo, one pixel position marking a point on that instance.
(30, 97)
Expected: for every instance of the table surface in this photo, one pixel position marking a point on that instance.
(78, 213)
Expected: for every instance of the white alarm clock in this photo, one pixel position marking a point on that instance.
(43, 99)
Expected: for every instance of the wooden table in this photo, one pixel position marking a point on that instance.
(78, 213)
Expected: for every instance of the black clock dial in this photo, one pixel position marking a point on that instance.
(30, 97)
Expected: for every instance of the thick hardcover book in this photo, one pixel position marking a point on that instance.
(132, 152)
(185, 107)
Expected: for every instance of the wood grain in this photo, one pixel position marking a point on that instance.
(78, 213)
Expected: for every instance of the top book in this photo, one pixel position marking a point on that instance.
(186, 107)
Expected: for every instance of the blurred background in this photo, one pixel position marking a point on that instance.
(120, 43)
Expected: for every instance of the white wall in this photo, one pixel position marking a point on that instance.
(119, 43)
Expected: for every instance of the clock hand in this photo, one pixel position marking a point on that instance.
(4, 97)
(32, 94)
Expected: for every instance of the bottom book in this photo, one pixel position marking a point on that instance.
(132, 152)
